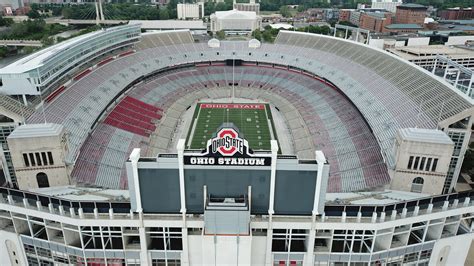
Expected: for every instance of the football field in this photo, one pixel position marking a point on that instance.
(251, 120)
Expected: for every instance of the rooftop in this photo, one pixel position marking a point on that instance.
(377, 14)
(415, 52)
(459, 21)
(38, 59)
(415, 6)
(404, 26)
(169, 24)
(36, 130)
(425, 135)
(235, 14)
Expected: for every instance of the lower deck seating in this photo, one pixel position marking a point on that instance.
(319, 117)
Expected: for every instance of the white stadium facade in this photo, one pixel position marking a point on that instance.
(364, 171)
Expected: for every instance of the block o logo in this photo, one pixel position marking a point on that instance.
(227, 142)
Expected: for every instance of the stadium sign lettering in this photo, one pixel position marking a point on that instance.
(232, 106)
(227, 148)
(227, 161)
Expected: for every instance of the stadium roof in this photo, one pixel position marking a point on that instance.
(36, 130)
(37, 59)
(425, 135)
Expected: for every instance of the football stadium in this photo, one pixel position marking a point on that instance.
(130, 148)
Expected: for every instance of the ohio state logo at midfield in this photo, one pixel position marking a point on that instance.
(227, 142)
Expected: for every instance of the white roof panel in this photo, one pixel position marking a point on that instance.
(425, 135)
(36, 130)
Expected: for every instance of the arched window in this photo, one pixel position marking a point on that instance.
(42, 180)
(417, 185)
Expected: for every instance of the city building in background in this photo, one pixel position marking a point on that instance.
(190, 11)
(389, 5)
(457, 13)
(235, 21)
(375, 21)
(411, 14)
(252, 6)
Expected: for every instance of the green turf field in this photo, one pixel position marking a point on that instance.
(252, 124)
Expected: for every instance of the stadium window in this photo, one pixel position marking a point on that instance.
(266, 55)
(410, 162)
(428, 164)
(50, 158)
(250, 54)
(25, 160)
(435, 163)
(32, 159)
(43, 156)
(202, 54)
(42, 180)
(417, 160)
(217, 53)
(422, 163)
(38, 158)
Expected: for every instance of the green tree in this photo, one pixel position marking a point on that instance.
(34, 14)
(47, 41)
(220, 35)
(164, 14)
(285, 11)
(257, 34)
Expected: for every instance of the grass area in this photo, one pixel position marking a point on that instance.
(252, 125)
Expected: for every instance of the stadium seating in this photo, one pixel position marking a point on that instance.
(375, 93)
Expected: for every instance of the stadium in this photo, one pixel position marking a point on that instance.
(324, 116)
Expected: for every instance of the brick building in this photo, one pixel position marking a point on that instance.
(375, 21)
(345, 14)
(457, 13)
(410, 14)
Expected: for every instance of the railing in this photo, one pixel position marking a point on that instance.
(330, 210)
(45, 200)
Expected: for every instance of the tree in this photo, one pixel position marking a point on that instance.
(267, 36)
(34, 14)
(5, 21)
(47, 41)
(220, 35)
(164, 14)
(285, 11)
(209, 8)
(257, 34)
